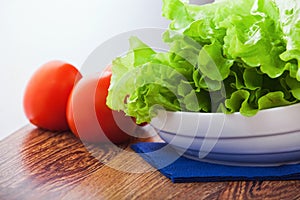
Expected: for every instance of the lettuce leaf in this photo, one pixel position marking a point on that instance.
(227, 56)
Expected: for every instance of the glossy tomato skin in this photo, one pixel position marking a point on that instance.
(90, 119)
(46, 95)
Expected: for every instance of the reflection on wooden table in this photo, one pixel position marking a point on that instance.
(37, 164)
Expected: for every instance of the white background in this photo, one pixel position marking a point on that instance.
(33, 32)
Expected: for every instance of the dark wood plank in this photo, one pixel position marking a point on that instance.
(38, 164)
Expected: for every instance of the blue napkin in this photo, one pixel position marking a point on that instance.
(183, 170)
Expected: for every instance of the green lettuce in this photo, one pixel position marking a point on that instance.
(227, 56)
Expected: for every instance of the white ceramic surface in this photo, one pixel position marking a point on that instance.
(277, 143)
(248, 160)
(219, 125)
(270, 138)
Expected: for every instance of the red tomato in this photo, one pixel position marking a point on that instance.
(47, 93)
(90, 118)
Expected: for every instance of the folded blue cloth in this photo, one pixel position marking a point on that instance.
(181, 169)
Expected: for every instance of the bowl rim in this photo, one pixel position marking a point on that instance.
(263, 111)
(266, 122)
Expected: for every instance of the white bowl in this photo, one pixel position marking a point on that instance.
(271, 137)
(219, 125)
(249, 160)
(278, 143)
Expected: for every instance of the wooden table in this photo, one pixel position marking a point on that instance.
(37, 164)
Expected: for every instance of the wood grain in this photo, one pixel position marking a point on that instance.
(38, 164)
